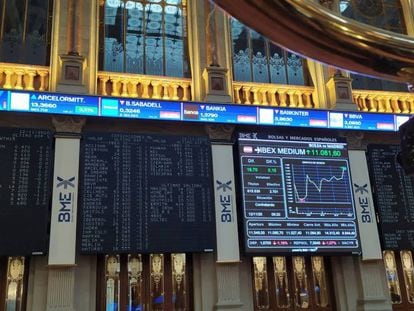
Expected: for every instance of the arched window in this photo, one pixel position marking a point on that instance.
(25, 31)
(255, 59)
(385, 14)
(144, 37)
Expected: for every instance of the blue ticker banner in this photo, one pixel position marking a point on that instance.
(362, 121)
(293, 117)
(54, 103)
(219, 113)
(140, 109)
(3, 99)
(152, 109)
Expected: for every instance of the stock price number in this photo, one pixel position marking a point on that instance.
(324, 153)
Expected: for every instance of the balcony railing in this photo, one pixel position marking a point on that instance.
(384, 101)
(294, 96)
(143, 86)
(24, 77)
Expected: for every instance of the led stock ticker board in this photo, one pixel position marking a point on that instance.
(297, 195)
(25, 181)
(145, 193)
(393, 195)
(155, 109)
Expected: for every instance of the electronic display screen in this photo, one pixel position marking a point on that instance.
(394, 196)
(297, 195)
(3, 100)
(144, 193)
(220, 113)
(361, 121)
(156, 109)
(54, 103)
(140, 109)
(25, 190)
(294, 117)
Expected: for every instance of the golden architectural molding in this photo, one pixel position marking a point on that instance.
(24, 77)
(143, 86)
(384, 101)
(266, 94)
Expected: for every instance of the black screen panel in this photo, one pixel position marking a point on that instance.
(25, 190)
(146, 193)
(394, 197)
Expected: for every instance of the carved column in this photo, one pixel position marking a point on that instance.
(355, 139)
(374, 294)
(71, 62)
(74, 19)
(228, 261)
(219, 132)
(62, 250)
(340, 92)
(212, 58)
(60, 289)
(214, 74)
(359, 285)
(228, 287)
(68, 124)
(339, 85)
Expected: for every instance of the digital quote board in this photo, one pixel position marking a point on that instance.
(394, 197)
(25, 190)
(145, 193)
(297, 195)
(185, 111)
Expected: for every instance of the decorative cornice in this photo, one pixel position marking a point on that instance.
(219, 132)
(68, 124)
(355, 139)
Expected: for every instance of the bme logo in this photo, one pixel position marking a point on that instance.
(363, 201)
(361, 189)
(223, 186)
(65, 198)
(226, 200)
(65, 182)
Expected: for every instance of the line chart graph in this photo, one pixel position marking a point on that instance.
(314, 184)
(320, 187)
(321, 182)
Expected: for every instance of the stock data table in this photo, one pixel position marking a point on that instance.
(297, 195)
